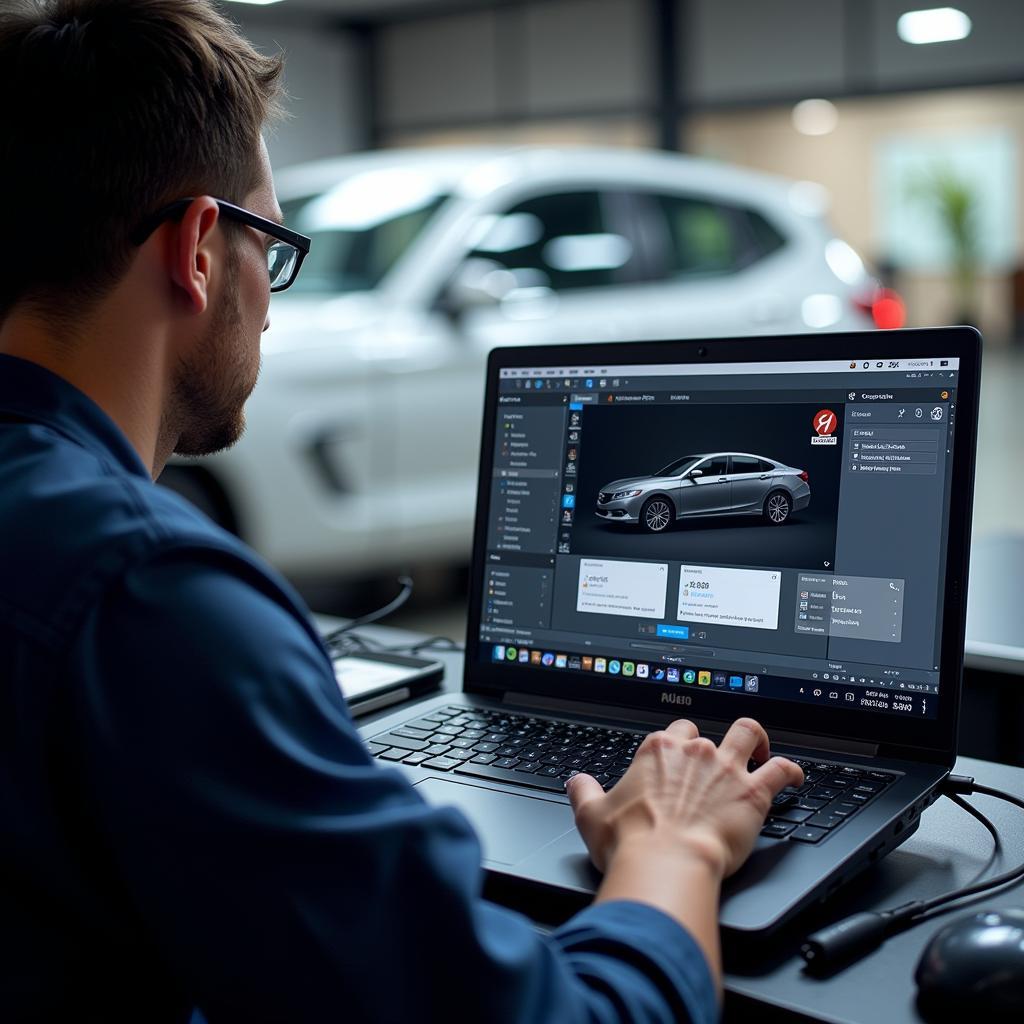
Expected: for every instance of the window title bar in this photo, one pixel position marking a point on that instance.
(732, 369)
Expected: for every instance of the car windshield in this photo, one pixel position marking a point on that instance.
(361, 227)
(679, 466)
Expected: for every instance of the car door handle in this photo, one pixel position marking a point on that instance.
(764, 476)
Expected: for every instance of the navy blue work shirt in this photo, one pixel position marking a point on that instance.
(190, 818)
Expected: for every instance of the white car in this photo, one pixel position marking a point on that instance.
(362, 439)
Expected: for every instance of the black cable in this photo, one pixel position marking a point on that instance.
(855, 936)
(364, 620)
(997, 844)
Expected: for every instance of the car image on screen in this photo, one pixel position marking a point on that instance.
(715, 484)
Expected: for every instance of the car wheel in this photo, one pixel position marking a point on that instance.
(777, 507)
(656, 515)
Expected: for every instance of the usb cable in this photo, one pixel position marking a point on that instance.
(854, 937)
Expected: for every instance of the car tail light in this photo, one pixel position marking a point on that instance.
(885, 307)
(804, 476)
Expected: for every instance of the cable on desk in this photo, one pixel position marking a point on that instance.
(405, 582)
(854, 937)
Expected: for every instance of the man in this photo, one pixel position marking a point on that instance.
(189, 817)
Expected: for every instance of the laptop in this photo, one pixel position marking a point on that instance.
(774, 527)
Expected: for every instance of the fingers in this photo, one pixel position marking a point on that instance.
(746, 740)
(778, 773)
(683, 728)
(583, 790)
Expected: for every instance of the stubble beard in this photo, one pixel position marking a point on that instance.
(212, 387)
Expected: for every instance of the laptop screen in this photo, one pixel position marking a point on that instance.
(773, 531)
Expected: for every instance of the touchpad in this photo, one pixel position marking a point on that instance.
(510, 827)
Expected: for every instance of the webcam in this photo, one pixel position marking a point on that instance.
(702, 351)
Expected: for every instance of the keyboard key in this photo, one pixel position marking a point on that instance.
(859, 798)
(472, 734)
(852, 773)
(484, 758)
(529, 766)
(488, 771)
(790, 814)
(450, 730)
(884, 777)
(394, 740)
(444, 764)
(430, 722)
(506, 762)
(376, 748)
(777, 829)
(553, 771)
(869, 786)
(843, 810)
(808, 834)
(416, 758)
(393, 754)
(413, 734)
(823, 819)
(462, 743)
(823, 793)
(436, 749)
(485, 748)
(805, 803)
(459, 754)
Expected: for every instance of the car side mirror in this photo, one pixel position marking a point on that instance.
(694, 473)
(478, 283)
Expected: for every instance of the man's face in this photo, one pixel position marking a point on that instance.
(213, 384)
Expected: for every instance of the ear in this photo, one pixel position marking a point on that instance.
(193, 250)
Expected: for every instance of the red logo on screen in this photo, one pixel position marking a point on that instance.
(825, 422)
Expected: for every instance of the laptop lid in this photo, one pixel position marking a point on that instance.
(775, 527)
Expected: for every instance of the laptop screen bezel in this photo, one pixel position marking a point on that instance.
(926, 739)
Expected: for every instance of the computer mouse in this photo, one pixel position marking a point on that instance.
(975, 964)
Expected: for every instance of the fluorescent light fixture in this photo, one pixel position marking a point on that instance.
(259, 3)
(815, 117)
(935, 25)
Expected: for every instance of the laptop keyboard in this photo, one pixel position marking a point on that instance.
(542, 754)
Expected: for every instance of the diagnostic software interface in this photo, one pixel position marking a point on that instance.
(770, 529)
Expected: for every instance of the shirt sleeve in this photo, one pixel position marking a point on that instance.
(282, 873)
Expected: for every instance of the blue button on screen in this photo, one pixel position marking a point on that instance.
(736, 682)
(674, 632)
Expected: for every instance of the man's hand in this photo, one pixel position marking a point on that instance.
(683, 794)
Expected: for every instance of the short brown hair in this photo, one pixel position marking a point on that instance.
(114, 108)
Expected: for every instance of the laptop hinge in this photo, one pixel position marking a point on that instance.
(617, 715)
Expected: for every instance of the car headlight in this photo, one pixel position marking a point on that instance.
(626, 494)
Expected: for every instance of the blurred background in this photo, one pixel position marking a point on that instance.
(857, 165)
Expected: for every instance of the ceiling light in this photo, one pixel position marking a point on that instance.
(936, 25)
(260, 3)
(815, 117)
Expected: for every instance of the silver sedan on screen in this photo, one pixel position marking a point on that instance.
(716, 484)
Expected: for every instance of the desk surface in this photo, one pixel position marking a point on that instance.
(950, 849)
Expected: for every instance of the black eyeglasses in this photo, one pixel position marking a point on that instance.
(284, 256)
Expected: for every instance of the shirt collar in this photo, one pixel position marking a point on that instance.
(34, 393)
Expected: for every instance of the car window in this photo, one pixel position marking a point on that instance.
(559, 241)
(702, 237)
(766, 237)
(692, 236)
(765, 467)
(358, 234)
(745, 464)
(718, 466)
(677, 467)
